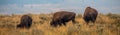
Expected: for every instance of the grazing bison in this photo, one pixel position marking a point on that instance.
(26, 21)
(62, 17)
(90, 14)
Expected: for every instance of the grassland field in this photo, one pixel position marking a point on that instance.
(106, 24)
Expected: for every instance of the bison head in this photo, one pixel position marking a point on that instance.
(53, 23)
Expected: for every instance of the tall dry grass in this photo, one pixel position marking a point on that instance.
(108, 24)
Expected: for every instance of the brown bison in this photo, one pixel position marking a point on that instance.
(90, 14)
(26, 21)
(62, 17)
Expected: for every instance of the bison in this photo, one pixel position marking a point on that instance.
(26, 21)
(61, 17)
(90, 14)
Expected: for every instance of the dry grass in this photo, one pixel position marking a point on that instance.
(105, 25)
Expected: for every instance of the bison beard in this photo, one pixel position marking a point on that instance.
(62, 17)
(26, 22)
(90, 14)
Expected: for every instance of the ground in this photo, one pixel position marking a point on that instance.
(106, 24)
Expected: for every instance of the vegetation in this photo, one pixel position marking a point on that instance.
(108, 24)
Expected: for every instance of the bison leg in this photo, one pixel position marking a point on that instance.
(64, 23)
(54, 25)
(28, 26)
(93, 20)
(30, 23)
(59, 22)
(86, 20)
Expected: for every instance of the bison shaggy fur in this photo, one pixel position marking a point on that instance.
(90, 14)
(61, 17)
(26, 22)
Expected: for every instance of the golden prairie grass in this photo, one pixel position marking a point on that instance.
(105, 25)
